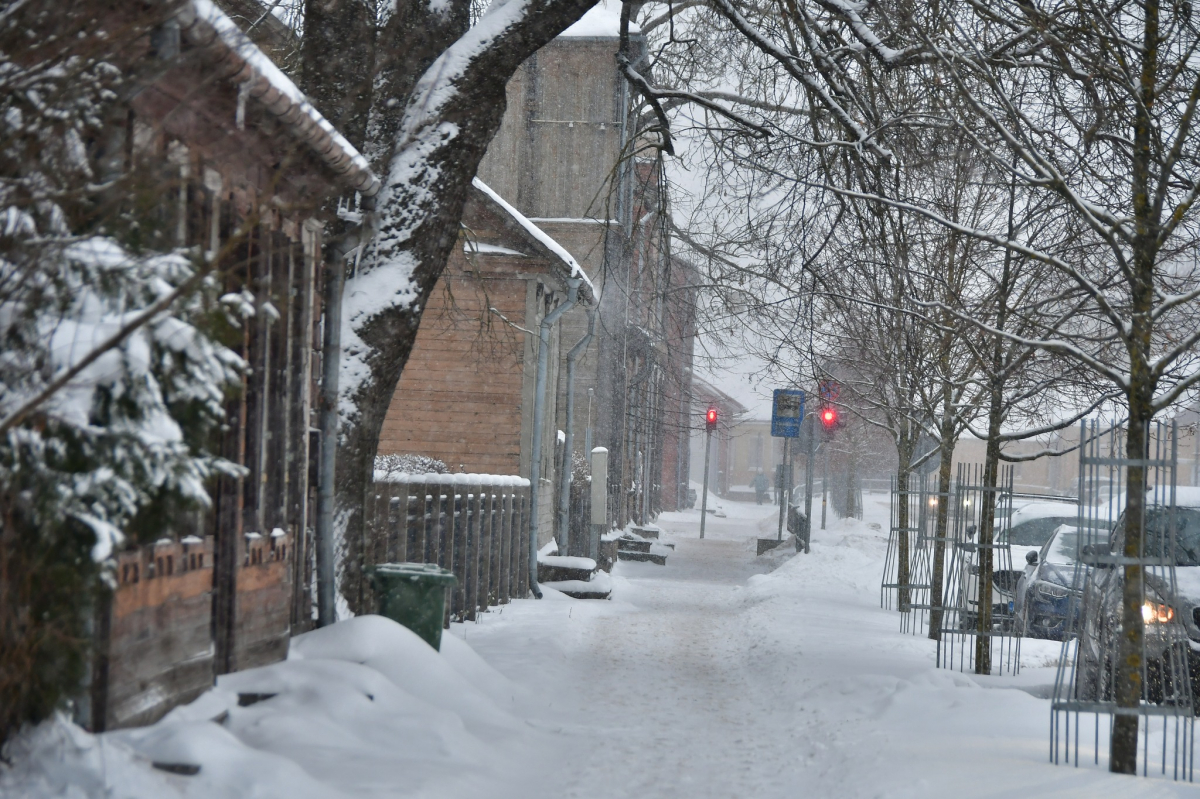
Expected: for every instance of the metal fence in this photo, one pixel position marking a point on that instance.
(908, 562)
(976, 626)
(1089, 695)
(476, 525)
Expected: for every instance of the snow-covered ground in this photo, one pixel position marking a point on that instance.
(721, 674)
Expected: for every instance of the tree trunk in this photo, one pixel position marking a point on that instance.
(939, 533)
(987, 517)
(453, 113)
(1130, 650)
(904, 447)
(337, 62)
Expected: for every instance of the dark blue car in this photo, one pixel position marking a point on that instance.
(1050, 591)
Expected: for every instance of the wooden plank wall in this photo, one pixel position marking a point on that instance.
(474, 525)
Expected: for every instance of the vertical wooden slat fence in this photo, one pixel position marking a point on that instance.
(476, 525)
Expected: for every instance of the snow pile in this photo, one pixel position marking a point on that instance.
(358, 707)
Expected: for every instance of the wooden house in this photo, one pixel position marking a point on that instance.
(242, 162)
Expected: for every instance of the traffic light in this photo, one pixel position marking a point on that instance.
(710, 418)
(829, 418)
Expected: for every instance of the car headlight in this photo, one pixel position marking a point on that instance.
(1157, 612)
(1051, 591)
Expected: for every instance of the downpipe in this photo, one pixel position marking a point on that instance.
(337, 253)
(564, 484)
(539, 420)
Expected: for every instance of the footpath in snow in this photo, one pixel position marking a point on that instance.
(721, 674)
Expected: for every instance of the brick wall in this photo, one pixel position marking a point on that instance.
(459, 398)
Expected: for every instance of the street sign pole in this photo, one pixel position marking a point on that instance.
(704, 500)
(808, 476)
(710, 424)
(782, 488)
(824, 476)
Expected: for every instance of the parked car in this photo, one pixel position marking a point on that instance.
(1028, 529)
(1164, 603)
(1050, 592)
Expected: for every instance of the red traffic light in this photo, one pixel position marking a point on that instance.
(710, 418)
(829, 417)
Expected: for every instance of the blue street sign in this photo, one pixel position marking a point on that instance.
(787, 412)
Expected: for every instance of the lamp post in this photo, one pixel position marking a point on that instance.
(710, 424)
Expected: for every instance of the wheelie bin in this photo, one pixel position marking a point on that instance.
(413, 594)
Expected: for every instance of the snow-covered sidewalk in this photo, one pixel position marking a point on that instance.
(710, 678)
(719, 675)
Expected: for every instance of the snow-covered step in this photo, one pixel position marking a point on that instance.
(556, 568)
(646, 557)
(646, 530)
(599, 587)
(632, 545)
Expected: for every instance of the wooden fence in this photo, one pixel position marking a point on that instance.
(476, 525)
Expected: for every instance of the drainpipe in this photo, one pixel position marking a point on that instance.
(539, 419)
(336, 254)
(564, 485)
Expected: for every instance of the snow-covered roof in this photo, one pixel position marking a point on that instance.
(1044, 510)
(241, 62)
(587, 290)
(704, 391)
(602, 21)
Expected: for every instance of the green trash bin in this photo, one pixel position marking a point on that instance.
(413, 594)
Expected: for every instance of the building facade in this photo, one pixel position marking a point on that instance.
(240, 164)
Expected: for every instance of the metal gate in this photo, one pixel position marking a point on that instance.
(908, 563)
(1086, 688)
(976, 620)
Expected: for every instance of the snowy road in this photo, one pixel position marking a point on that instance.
(711, 678)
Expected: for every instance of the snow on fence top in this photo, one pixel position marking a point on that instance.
(384, 476)
(542, 237)
(207, 27)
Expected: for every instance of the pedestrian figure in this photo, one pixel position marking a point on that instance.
(760, 487)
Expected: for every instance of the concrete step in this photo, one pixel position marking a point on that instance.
(645, 557)
(632, 545)
(646, 530)
(608, 553)
(555, 568)
(599, 587)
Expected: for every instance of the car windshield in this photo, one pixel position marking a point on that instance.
(1187, 535)
(1035, 532)
(1063, 547)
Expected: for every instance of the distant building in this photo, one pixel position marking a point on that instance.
(723, 449)
(565, 157)
(468, 390)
